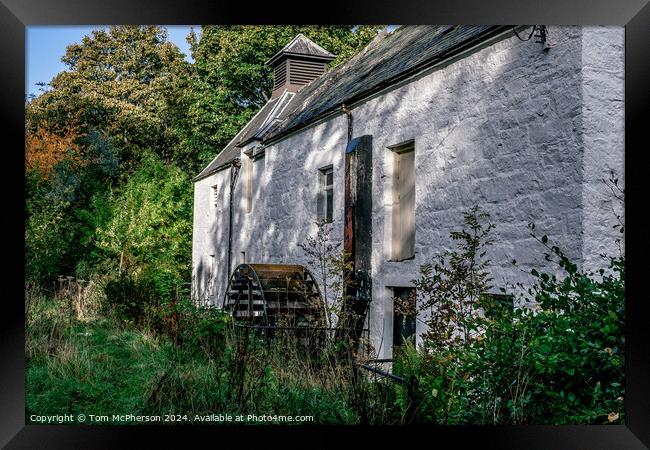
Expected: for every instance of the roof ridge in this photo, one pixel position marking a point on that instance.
(316, 50)
(309, 41)
(368, 64)
(386, 60)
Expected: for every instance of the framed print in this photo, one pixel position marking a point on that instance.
(260, 216)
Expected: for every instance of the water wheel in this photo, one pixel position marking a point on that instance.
(274, 295)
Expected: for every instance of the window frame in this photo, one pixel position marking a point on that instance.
(325, 201)
(215, 196)
(403, 322)
(249, 184)
(253, 156)
(399, 252)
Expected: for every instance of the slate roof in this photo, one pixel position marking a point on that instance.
(301, 45)
(389, 58)
(259, 123)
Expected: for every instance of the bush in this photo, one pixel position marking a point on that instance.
(49, 240)
(558, 363)
(130, 297)
(577, 343)
(148, 222)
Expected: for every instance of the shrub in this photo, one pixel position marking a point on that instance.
(577, 342)
(486, 362)
(449, 289)
(129, 297)
(149, 222)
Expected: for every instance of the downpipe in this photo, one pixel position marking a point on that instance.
(234, 175)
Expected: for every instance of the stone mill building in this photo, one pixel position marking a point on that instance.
(447, 117)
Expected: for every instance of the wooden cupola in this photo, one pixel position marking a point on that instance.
(298, 63)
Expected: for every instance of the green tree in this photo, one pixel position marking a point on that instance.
(48, 238)
(451, 287)
(124, 81)
(60, 225)
(150, 221)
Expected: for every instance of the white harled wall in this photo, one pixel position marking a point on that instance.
(524, 132)
(603, 125)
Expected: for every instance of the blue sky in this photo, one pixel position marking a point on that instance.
(46, 45)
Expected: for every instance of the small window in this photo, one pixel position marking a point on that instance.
(326, 194)
(215, 195)
(404, 315)
(249, 184)
(403, 210)
(496, 305)
(211, 266)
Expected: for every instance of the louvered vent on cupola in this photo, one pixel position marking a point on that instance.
(298, 63)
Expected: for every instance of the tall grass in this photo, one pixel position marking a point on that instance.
(93, 362)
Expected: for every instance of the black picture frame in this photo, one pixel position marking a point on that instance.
(15, 15)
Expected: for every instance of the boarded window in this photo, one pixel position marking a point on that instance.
(249, 184)
(404, 315)
(403, 214)
(211, 267)
(326, 193)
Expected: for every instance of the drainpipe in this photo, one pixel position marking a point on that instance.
(234, 175)
(348, 113)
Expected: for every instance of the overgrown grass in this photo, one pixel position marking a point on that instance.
(104, 366)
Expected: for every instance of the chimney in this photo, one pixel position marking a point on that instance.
(298, 63)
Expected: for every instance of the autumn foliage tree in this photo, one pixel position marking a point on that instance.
(121, 81)
(45, 149)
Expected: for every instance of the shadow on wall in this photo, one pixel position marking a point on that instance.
(200, 280)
